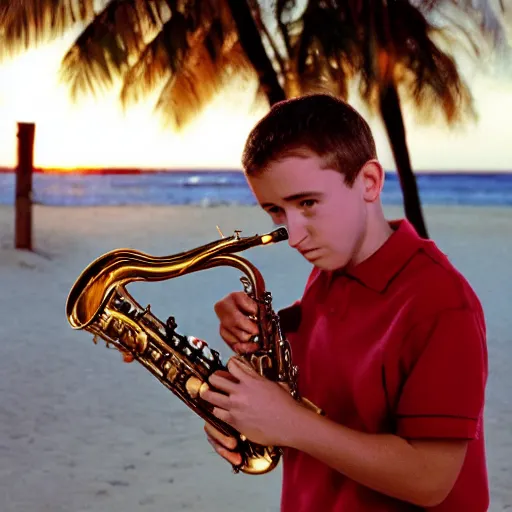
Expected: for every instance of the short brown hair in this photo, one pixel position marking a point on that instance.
(319, 123)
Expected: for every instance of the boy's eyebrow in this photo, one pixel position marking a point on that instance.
(296, 197)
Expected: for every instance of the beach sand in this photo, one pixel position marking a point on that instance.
(81, 431)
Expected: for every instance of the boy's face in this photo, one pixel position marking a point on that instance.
(325, 218)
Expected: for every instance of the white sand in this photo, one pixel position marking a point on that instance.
(80, 430)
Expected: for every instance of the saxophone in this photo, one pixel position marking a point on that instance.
(99, 303)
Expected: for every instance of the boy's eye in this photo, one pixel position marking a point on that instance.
(307, 203)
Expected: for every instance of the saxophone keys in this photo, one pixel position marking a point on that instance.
(141, 341)
(171, 371)
(156, 355)
(248, 288)
(195, 386)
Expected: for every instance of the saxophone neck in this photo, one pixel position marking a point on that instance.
(122, 266)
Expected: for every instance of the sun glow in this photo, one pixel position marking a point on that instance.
(96, 133)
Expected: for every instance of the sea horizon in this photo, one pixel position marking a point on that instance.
(141, 170)
(211, 187)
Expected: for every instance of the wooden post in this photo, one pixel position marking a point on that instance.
(24, 170)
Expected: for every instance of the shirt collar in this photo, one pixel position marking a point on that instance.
(382, 266)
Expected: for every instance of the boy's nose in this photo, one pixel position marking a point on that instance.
(297, 233)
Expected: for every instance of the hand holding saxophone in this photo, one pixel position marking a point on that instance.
(236, 326)
(225, 446)
(261, 409)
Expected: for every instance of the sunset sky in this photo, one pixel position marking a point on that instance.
(96, 133)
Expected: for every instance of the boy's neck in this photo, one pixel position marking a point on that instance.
(377, 232)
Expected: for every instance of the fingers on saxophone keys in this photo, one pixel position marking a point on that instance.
(219, 438)
(243, 331)
(247, 324)
(238, 340)
(245, 303)
(214, 397)
(232, 457)
(245, 348)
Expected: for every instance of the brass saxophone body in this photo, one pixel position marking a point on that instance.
(99, 303)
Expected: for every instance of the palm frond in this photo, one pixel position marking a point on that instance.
(191, 88)
(437, 89)
(188, 91)
(4, 9)
(189, 67)
(485, 22)
(432, 78)
(28, 23)
(327, 51)
(160, 59)
(399, 47)
(234, 62)
(268, 38)
(110, 41)
(456, 35)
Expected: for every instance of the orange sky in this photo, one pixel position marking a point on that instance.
(95, 133)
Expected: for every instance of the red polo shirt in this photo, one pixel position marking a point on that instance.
(396, 345)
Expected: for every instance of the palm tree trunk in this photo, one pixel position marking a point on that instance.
(391, 113)
(251, 42)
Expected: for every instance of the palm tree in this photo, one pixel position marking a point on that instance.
(188, 50)
(390, 47)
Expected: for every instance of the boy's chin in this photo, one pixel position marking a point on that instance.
(328, 265)
(322, 264)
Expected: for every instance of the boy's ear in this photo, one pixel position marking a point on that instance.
(372, 179)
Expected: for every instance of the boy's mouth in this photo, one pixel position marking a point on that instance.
(307, 253)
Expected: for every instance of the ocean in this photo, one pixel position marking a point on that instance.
(210, 188)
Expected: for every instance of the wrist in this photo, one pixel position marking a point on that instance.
(300, 421)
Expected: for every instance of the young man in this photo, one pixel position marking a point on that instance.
(389, 337)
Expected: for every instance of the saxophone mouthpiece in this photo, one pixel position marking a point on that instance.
(277, 235)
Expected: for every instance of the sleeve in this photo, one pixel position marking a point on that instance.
(446, 365)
